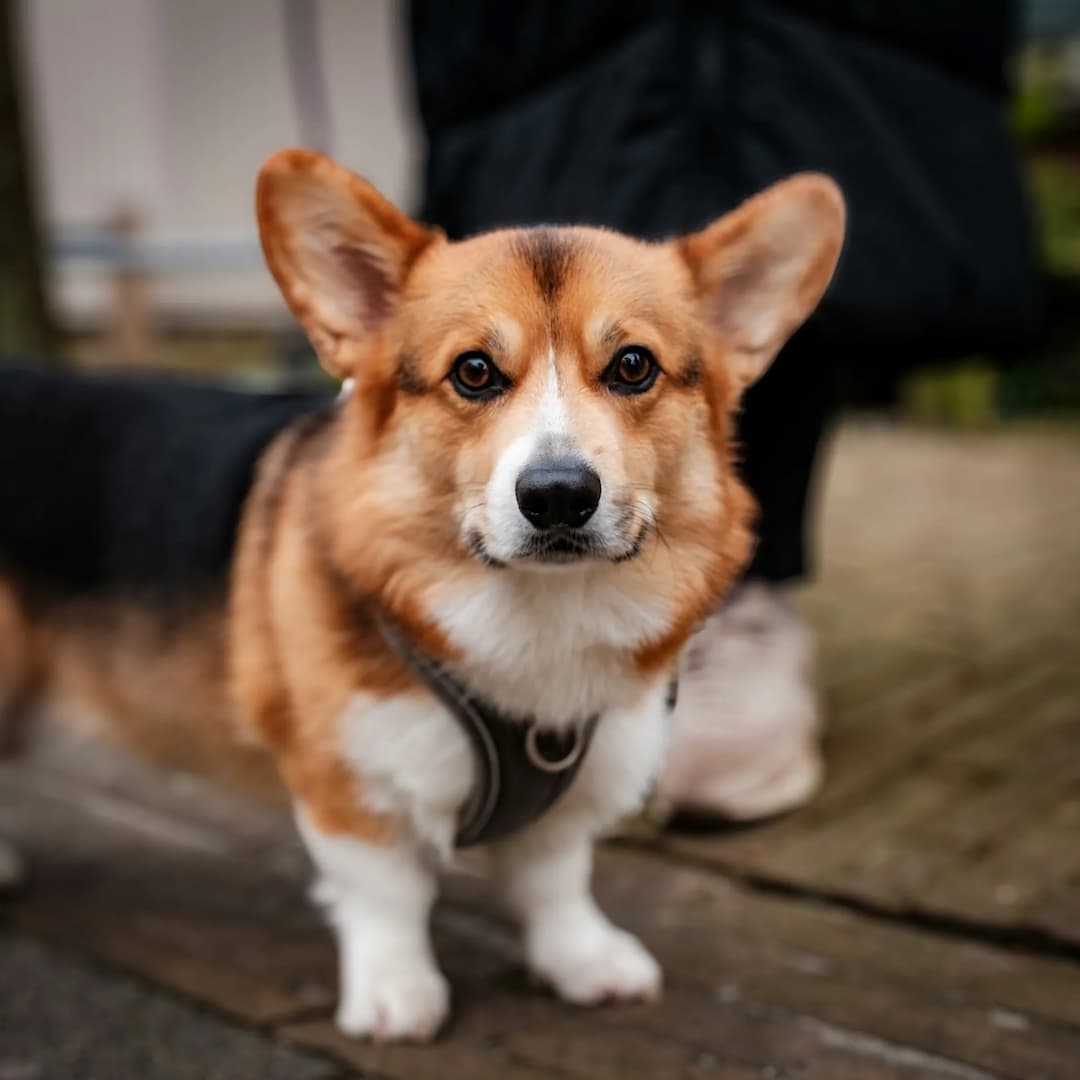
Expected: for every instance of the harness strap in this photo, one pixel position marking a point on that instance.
(521, 769)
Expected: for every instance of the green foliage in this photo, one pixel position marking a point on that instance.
(1056, 187)
(1035, 111)
(964, 396)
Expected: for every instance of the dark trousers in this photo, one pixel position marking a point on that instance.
(780, 430)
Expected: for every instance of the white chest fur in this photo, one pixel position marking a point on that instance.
(553, 646)
(556, 646)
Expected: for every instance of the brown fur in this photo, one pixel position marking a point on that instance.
(22, 667)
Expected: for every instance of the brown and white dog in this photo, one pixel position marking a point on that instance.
(529, 492)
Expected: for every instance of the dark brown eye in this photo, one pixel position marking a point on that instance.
(474, 372)
(632, 370)
(474, 375)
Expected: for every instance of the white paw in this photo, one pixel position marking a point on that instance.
(606, 964)
(409, 1004)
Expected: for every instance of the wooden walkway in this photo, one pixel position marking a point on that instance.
(921, 919)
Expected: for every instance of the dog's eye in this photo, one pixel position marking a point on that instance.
(632, 370)
(474, 375)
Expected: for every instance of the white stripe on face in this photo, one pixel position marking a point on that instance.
(552, 421)
(548, 434)
(548, 428)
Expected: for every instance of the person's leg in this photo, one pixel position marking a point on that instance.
(746, 726)
(780, 430)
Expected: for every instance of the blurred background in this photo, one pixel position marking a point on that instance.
(133, 129)
(919, 918)
(132, 133)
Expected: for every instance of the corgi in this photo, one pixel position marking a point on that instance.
(445, 608)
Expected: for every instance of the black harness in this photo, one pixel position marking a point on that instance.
(521, 770)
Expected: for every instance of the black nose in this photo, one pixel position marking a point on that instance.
(560, 493)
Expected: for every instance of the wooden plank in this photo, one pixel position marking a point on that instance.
(757, 985)
(65, 1020)
(686, 1036)
(953, 813)
(217, 921)
(258, 972)
(862, 766)
(895, 983)
(1029, 880)
(1056, 912)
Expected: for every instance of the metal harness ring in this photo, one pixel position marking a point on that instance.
(536, 756)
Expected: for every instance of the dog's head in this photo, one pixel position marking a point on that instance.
(552, 397)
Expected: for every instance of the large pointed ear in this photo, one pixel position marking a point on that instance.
(338, 250)
(761, 270)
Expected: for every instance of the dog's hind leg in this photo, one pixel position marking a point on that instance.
(17, 704)
(20, 670)
(20, 682)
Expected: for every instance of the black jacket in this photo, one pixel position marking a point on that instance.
(655, 118)
(128, 483)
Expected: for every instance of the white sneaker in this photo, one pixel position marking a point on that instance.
(747, 724)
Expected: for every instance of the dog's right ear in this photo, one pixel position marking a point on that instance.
(762, 268)
(338, 250)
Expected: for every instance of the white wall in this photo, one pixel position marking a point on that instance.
(171, 105)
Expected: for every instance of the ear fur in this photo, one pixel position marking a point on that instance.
(762, 269)
(337, 249)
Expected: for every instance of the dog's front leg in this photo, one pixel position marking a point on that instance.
(379, 901)
(545, 875)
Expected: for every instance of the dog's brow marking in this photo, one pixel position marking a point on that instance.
(693, 371)
(493, 341)
(409, 380)
(612, 332)
(549, 257)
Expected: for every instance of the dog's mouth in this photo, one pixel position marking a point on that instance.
(557, 547)
(636, 545)
(561, 547)
(478, 549)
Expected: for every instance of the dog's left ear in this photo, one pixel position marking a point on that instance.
(338, 250)
(761, 270)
